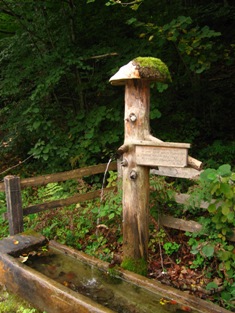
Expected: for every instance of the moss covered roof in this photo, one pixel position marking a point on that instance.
(152, 68)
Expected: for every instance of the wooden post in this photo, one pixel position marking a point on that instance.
(14, 204)
(135, 177)
(136, 76)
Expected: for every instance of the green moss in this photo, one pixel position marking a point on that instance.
(10, 303)
(138, 266)
(152, 68)
(31, 232)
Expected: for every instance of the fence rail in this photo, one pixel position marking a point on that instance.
(12, 187)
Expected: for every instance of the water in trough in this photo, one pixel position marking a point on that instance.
(110, 291)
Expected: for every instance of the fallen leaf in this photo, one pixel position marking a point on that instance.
(23, 259)
(186, 308)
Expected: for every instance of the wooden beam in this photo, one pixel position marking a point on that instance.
(183, 198)
(185, 225)
(177, 223)
(64, 202)
(178, 172)
(58, 177)
(14, 204)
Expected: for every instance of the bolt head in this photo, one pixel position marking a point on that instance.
(132, 117)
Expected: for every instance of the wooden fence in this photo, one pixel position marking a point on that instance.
(13, 185)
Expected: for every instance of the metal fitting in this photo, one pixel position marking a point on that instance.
(124, 162)
(132, 117)
(133, 175)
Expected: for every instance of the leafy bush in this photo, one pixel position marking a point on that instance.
(211, 245)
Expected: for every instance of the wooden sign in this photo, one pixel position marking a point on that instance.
(162, 155)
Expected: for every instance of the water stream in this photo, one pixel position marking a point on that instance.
(104, 178)
(113, 292)
(102, 191)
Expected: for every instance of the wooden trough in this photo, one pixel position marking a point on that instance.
(52, 296)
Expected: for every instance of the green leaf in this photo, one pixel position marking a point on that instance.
(226, 189)
(224, 255)
(212, 208)
(155, 113)
(131, 21)
(227, 265)
(225, 295)
(225, 210)
(36, 124)
(224, 170)
(231, 216)
(111, 216)
(212, 176)
(161, 87)
(208, 250)
(211, 285)
(208, 174)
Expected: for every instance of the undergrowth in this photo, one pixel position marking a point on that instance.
(205, 258)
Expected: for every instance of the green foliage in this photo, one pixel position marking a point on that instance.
(157, 237)
(110, 209)
(219, 152)
(171, 247)
(220, 184)
(56, 103)
(10, 303)
(161, 196)
(194, 44)
(212, 242)
(134, 5)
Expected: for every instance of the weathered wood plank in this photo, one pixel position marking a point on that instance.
(185, 225)
(58, 177)
(64, 202)
(161, 156)
(159, 143)
(178, 172)
(182, 198)
(177, 223)
(14, 204)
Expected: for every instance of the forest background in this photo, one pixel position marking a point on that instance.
(57, 107)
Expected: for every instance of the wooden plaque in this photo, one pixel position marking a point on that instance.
(161, 156)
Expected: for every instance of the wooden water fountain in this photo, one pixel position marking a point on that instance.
(86, 284)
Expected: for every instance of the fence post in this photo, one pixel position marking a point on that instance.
(14, 204)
